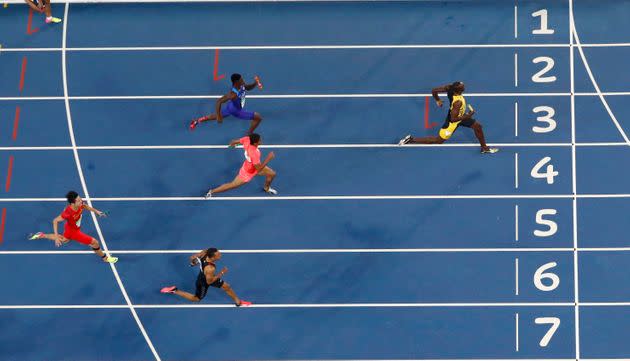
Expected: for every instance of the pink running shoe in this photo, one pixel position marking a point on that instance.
(194, 123)
(169, 289)
(52, 20)
(244, 304)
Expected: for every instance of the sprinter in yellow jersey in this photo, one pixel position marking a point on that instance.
(456, 117)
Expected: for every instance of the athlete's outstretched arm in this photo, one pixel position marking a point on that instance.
(251, 86)
(92, 209)
(435, 92)
(234, 143)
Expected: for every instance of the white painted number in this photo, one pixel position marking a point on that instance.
(547, 118)
(554, 322)
(540, 275)
(552, 226)
(549, 173)
(538, 77)
(544, 27)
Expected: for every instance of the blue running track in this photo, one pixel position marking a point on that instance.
(370, 250)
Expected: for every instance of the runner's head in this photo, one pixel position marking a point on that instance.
(237, 80)
(73, 198)
(254, 139)
(458, 87)
(213, 253)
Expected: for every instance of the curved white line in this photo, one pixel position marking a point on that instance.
(578, 44)
(85, 189)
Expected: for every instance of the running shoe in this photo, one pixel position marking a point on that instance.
(271, 191)
(169, 289)
(53, 20)
(34, 236)
(193, 124)
(489, 150)
(111, 259)
(209, 194)
(405, 140)
(244, 304)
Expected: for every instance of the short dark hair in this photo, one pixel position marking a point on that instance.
(456, 84)
(235, 77)
(254, 138)
(211, 251)
(72, 196)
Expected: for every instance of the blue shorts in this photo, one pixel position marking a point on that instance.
(230, 109)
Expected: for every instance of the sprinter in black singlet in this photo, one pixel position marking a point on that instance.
(206, 278)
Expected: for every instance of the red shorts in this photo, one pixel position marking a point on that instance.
(77, 235)
(246, 176)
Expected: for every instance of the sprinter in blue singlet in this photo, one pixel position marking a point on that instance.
(235, 106)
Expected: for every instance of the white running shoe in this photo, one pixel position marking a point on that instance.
(209, 194)
(489, 151)
(405, 140)
(271, 191)
(37, 235)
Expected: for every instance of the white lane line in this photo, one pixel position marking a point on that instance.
(86, 192)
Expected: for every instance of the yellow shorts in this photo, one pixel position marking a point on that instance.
(446, 133)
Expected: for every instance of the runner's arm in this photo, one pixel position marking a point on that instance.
(209, 273)
(455, 111)
(194, 259)
(251, 86)
(92, 209)
(435, 92)
(262, 165)
(56, 222)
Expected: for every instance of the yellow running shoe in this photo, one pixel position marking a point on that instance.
(111, 259)
(37, 235)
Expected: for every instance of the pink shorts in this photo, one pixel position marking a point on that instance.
(246, 176)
